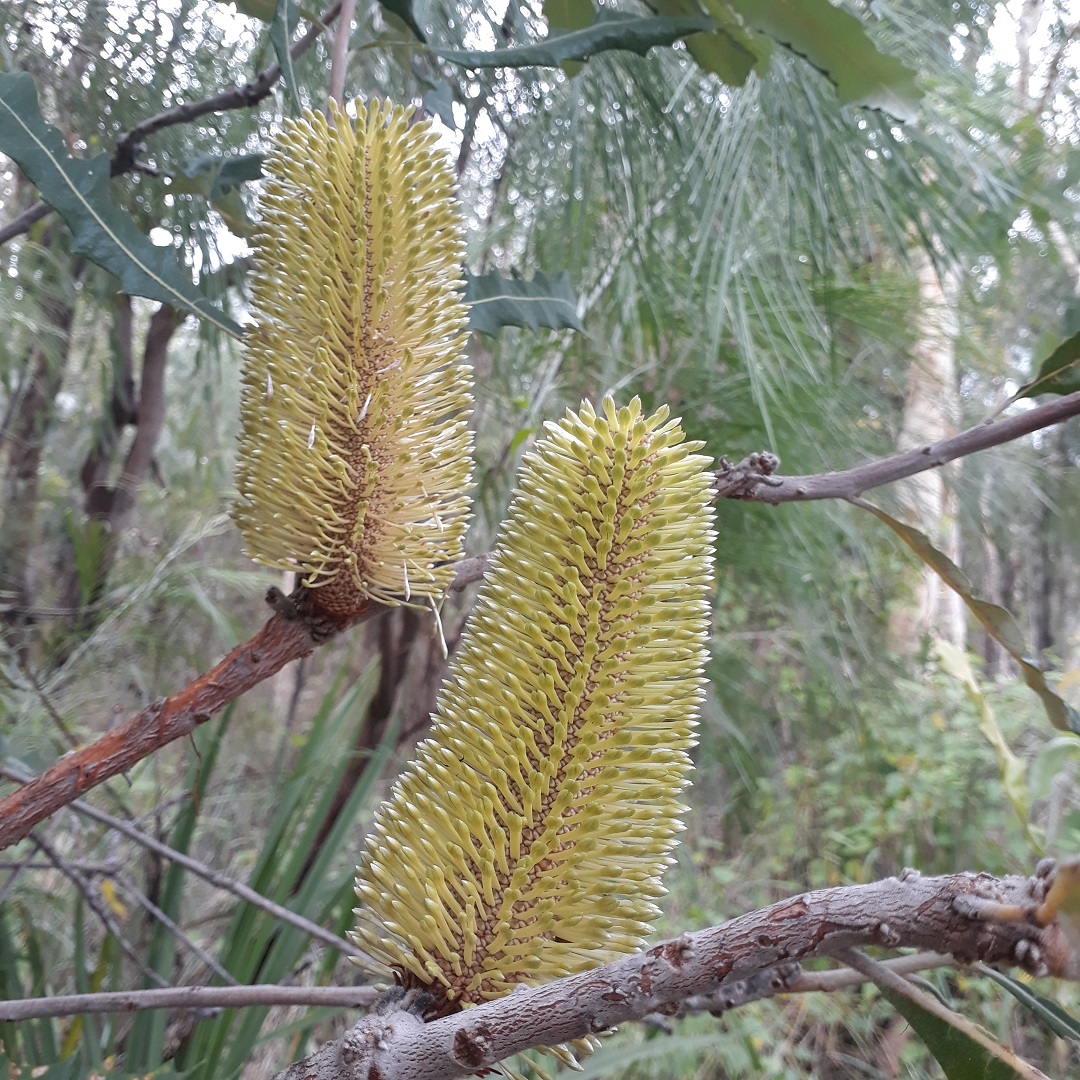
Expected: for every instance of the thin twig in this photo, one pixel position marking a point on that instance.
(359, 997)
(148, 905)
(84, 866)
(16, 868)
(213, 877)
(752, 480)
(93, 902)
(189, 997)
(125, 157)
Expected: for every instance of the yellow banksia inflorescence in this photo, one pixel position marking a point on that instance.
(354, 451)
(527, 839)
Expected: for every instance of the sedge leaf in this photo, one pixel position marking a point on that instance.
(960, 1056)
(78, 190)
(1060, 1022)
(999, 624)
(495, 301)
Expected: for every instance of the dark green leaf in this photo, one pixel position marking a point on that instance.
(78, 191)
(213, 176)
(611, 30)
(959, 1055)
(496, 301)
(836, 43)
(1059, 373)
(286, 20)
(439, 101)
(730, 50)
(1061, 1023)
(999, 624)
(403, 9)
(569, 15)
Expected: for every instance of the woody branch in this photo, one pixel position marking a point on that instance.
(282, 640)
(908, 911)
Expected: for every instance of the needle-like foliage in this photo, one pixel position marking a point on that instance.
(528, 838)
(354, 455)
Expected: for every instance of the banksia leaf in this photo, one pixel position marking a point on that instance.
(354, 452)
(527, 839)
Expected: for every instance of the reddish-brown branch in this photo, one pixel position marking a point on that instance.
(282, 639)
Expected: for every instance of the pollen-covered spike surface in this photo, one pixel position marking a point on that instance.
(528, 838)
(354, 454)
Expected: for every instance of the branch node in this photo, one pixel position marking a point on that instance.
(887, 935)
(472, 1046)
(742, 481)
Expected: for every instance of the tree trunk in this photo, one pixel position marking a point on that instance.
(109, 508)
(27, 428)
(931, 410)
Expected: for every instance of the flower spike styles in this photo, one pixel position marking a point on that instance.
(354, 451)
(528, 838)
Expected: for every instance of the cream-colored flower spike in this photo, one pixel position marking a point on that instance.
(528, 838)
(354, 452)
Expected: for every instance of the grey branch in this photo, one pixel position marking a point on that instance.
(189, 997)
(786, 978)
(909, 911)
(754, 479)
(125, 157)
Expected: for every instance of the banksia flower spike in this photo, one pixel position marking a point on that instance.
(354, 452)
(527, 840)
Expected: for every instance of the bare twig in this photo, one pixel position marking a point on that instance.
(909, 911)
(213, 877)
(93, 902)
(170, 925)
(25, 221)
(125, 157)
(469, 571)
(16, 867)
(189, 997)
(752, 479)
(765, 984)
(84, 866)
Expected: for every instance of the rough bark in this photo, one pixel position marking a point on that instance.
(909, 911)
